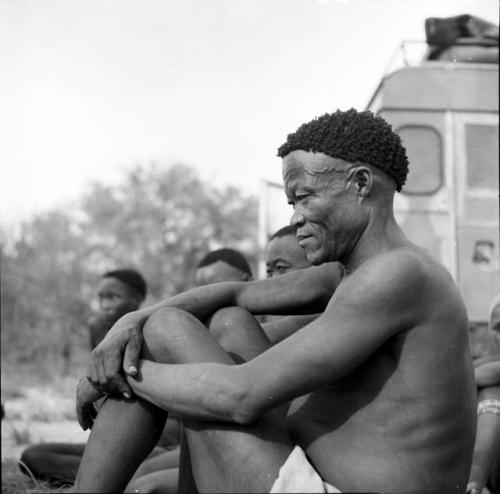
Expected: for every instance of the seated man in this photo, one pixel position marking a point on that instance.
(391, 404)
(283, 255)
(485, 472)
(118, 292)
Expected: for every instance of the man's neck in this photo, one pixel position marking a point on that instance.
(381, 235)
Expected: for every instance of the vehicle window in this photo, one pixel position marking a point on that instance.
(423, 147)
(482, 156)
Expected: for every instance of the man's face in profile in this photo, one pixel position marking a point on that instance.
(116, 298)
(325, 210)
(284, 254)
(217, 272)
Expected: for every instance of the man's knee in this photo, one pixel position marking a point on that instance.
(164, 330)
(164, 323)
(238, 333)
(228, 321)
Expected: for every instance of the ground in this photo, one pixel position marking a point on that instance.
(33, 414)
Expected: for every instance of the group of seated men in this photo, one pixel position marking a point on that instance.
(375, 392)
(124, 290)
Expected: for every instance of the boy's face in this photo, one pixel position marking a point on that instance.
(284, 254)
(116, 298)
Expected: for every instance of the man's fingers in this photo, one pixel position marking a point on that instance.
(474, 487)
(121, 387)
(106, 371)
(81, 414)
(132, 354)
(92, 375)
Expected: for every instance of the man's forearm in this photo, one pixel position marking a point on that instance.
(200, 302)
(305, 291)
(206, 391)
(487, 444)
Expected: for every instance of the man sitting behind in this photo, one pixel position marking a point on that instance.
(119, 292)
(387, 365)
(485, 471)
(283, 255)
(283, 252)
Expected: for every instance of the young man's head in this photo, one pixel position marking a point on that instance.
(120, 291)
(283, 253)
(340, 172)
(222, 265)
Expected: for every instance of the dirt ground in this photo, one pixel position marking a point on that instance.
(35, 415)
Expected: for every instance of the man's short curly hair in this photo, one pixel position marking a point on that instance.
(284, 232)
(354, 137)
(230, 256)
(132, 278)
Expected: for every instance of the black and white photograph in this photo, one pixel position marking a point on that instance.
(250, 246)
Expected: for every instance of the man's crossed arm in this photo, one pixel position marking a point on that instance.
(356, 322)
(300, 292)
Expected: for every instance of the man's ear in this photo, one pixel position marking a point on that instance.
(361, 178)
(247, 277)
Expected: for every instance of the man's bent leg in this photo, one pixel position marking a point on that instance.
(228, 458)
(123, 435)
(239, 333)
(241, 336)
(225, 457)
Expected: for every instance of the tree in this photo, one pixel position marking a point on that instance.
(44, 290)
(163, 220)
(160, 220)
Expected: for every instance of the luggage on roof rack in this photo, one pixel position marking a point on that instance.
(463, 38)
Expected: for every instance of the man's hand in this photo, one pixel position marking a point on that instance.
(86, 396)
(120, 349)
(476, 487)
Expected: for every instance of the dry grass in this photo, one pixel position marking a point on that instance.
(15, 482)
(36, 410)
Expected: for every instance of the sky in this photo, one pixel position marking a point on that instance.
(90, 88)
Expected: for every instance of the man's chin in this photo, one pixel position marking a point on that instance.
(316, 257)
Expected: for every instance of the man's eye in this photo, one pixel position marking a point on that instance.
(282, 269)
(301, 197)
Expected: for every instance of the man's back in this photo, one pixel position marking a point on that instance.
(405, 417)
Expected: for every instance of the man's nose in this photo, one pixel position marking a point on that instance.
(298, 219)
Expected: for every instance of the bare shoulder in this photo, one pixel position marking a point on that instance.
(408, 268)
(405, 279)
